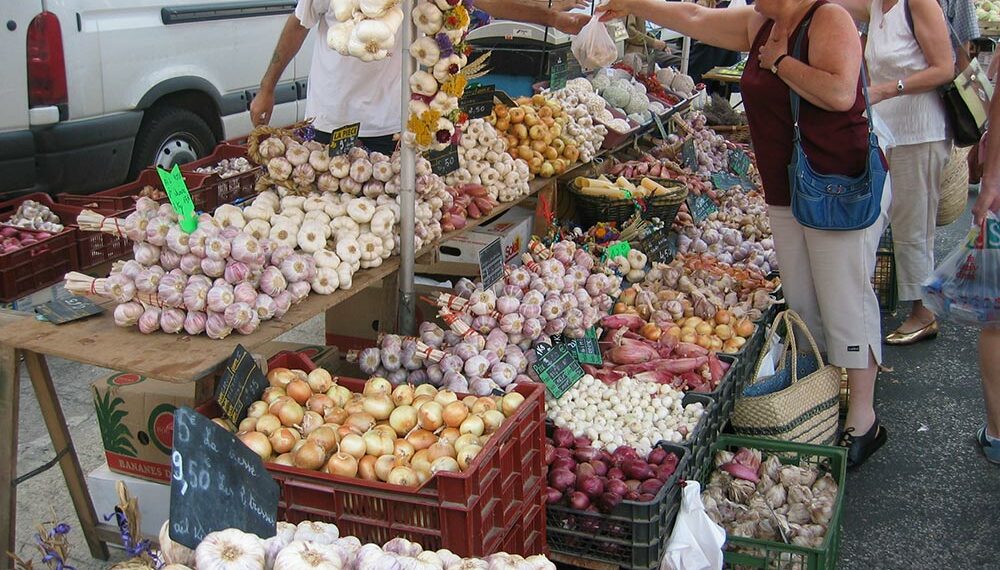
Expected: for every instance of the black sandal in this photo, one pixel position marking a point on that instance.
(860, 448)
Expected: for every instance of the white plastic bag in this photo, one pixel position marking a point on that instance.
(696, 542)
(593, 46)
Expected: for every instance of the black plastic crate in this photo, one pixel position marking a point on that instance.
(884, 278)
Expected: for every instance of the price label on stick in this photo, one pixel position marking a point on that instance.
(491, 260)
(587, 349)
(179, 196)
(343, 139)
(216, 482)
(620, 248)
(477, 101)
(443, 162)
(689, 155)
(240, 385)
(701, 207)
(557, 368)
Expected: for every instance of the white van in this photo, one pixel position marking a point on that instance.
(93, 91)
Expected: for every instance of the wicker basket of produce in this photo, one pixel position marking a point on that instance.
(739, 134)
(603, 200)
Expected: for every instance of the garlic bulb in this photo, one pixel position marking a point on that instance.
(426, 51)
(423, 83)
(447, 66)
(301, 555)
(230, 549)
(344, 10)
(428, 18)
(393, 18)
(376, 8)
(371, 40)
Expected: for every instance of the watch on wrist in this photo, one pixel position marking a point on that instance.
(899, 87)
(777, 62)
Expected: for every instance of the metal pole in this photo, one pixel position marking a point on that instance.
(408, 188)
(685, 53)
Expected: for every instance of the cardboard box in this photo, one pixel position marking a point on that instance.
(136, 417)
(513, 228)
(153, 498)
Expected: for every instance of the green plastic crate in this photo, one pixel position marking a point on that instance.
(770, 555)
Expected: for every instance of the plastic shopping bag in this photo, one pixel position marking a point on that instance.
(696, 542)
(593, 46)
(966, 285)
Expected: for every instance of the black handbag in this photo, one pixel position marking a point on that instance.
(967, 97)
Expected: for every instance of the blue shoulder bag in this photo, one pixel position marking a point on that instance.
(831, 201)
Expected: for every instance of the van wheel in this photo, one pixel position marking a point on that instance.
(169, 136)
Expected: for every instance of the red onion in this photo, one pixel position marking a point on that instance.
(631, 495)
(590, 485)
(608, 501)
(633, 484)
(563, 437)
(585, 470)
(664, 471)
(741, 471)
(582, 441)
(637, 469)
(600, 467)
(550, 453)
(579, 501)
(646, 497)
(564, 452)
(656, 456)
(583, 454)
(552, 496)
(564, 463)
(651, 486)
(616, 486)
(562, 479)
(615, 473)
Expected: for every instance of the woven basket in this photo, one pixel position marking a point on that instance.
(594, 209)
(954, 191)
(804, 412)
(739, 134)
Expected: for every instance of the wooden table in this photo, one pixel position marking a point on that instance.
(726, 79)
(171, 358)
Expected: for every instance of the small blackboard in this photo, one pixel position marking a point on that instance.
(68, 310)
(241, 384)
(216, 483)
(660, 247)
(660, 127)
(725, 181)
(443, 162)
(586, 349)
(739, 162)
(557, 368)
(558, 70)
(504, 98)
(342, 140)
(491, 260)
(689, 155)
(701, 207)
(477, 101)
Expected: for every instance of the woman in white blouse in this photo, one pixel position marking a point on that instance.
(907, 62)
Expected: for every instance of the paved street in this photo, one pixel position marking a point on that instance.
(927, 500)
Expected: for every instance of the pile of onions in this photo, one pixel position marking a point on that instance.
(585, 477)
(399, 435)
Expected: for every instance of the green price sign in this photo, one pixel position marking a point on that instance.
(557, 367)
(739, 162)
(620, 248)
(180, 197)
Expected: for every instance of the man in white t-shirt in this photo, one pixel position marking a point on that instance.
(344, 90)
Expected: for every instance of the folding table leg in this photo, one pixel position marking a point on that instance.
(9, 391)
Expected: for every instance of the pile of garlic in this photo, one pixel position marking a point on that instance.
(588, 113)
(319, 545)
(435, 119)
(365, 29)
(483, 159)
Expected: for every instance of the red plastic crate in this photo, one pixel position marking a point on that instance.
(233, 187)
(121, 199)
(39, 265)
(495, 506)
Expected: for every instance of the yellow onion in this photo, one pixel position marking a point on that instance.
(289, 412)
(284, 459)
(425, 390)
(353, 445)
(360, 422)
(473, 425)
(469, 401)
(429, 416)
(283, 439)
(449, 435)
(403, 476)
(339, 394)
(336, 416)
(466, 456)
(342, 464)
(445, 464)
(257, 442)
(466, 440)
(366, 468)
(267, 424)
(445, 397)
(421, 400)
(422, 475)
(492, 420)
(420, 461)
(440, 449)
(346, 430)
(271, 394)
(309, 456)
(310, 421)
(376, 444)
(483, 404)
(298, 443)
(383, 466)
(403, 395)
(377, 385)
(300, 374)
(299, 391)
(403, 450)
(380, 406)
(510, 403)
(454, 414)
(403, 419)
(326, 437)
(248, 424)
(279, 377)
(421, 439)
(319, 381)
(319, 403)
(385, 430)
(257, 409)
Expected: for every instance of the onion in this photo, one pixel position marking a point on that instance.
(326, 437)
(257, 442)
(360, 422)
(584, 454)
(319, 403)
(483, 404)
(552, 496)
(421, 439)
(289, 412)
(466, 456)
(421, 400)
(637, 469)
(466, 440)
(340, 395)
(563, 463)
(267, 424)
(578, 501)
(590, 485)
(562, 479)
(377, 385)
(616, 486)
(383, 466)
(353, 445)
(445, 397)
(342, 464)
(449, 435)
(335, 416)
(492, 420)
(257, 409)
(439, 450)
(355, 406)
(403, 395)
(585, 470)
(320, 381)
(309, 456)
(608, 501)
(656, 456)
(582, 441)
(380, 406)
(271, 394)
(473, 425)
(403, 419)
(403, 476)
(455, 413)
(404, 450)
(562, 437)
(425, 390)
(510, 403)
(600, 467)
(366, 468)
(445, 464)
(550, 453)
(279, 377)
(299, 391)
(310, 421)
(284, 439)
(633, 484)
(419, 461)
(376, 444)
(284, 459)
(248, 424)
(430, 416)
(651, 486)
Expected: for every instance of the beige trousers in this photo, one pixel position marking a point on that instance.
(826, 279)
(916, 170)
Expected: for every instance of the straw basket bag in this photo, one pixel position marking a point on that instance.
(803, 410)
(954, 187)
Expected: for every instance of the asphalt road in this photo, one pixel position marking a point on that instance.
(927, 500)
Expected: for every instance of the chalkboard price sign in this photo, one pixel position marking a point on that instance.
(660, 127)
(689, 155)
(491, 260)
(701, 207)
(557, 367)
(739, 162)
(504, 98)
(343, 139)
(443, 162)
(660, 246)
(477, 101)
(216, 483)
(68, 310)
(558, 70)
(241, 384)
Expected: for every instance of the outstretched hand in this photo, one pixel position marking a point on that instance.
(570, 22)
(613, 9)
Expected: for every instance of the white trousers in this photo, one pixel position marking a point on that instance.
(917, 170)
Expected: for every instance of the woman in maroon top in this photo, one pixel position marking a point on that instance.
(825, 274)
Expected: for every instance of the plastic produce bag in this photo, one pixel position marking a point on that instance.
(696, 542)
(593, 46)
(966, 285)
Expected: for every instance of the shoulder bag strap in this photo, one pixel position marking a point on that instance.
(962, 59)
